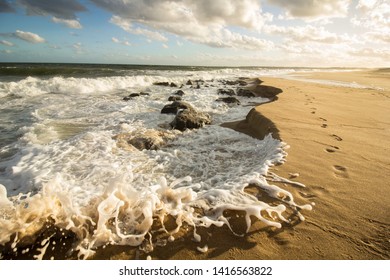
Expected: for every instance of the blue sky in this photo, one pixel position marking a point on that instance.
(343, 33)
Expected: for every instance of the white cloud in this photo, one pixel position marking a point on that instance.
(29, 37)
(128, 27)
(6, 43)
(71, 23)
(307, 33)
(314, 9)
(165, 46)
(373, 15)
(200, 21)
(382, 53)
(6, 51)
(117, 41)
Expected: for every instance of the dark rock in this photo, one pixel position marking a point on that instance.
(174, 98)
(126, 98)
(245, 92)
(229, 100)
(179, 92)
(190, 119)
(189, 83)
(134, 95)
(173, 85)
(164, 84)
(144, 93)
(229, 91)
(242, 83)
(174, 107)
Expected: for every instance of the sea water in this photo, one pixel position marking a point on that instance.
(59, 159)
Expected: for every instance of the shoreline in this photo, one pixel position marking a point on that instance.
(338, 138)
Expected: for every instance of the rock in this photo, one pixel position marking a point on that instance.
(229, 91)
(245, 93)
(174, 98)
(229, 100)
(190, 119)
(189, 83)
(144, 93)
(164, 84)
(179, 92)
(150, 139)
(134, 95)
(174, 107)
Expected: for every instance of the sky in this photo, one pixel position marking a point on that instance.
(308, 33)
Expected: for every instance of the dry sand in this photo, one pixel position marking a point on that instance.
(339, 141)
(340, 146)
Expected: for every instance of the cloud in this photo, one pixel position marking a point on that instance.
(313, 9)
(307, 33)
(62, 9)
(6, 51)
(28, 36)
(6, 43)
(373, 15)
(117, 41)
(200, 21)
(370, 52)
(71, 23)
(5, 7)
(128, 27)
(165, 46)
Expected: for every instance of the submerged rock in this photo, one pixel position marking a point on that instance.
(150, 139)
(224, 91)
(229, 100)
(179, 92)
(174, 98)
(165, 84)
(174, 107)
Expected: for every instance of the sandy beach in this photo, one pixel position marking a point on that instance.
(339, 140)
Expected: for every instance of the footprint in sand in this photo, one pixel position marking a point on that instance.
(324, 125)
(324, 120)
(332, 149)
(340, 171)
(336, 137)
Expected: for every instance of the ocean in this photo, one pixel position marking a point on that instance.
(62, 166)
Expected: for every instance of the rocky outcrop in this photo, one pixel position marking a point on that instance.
(187, 117)
(190, 119)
